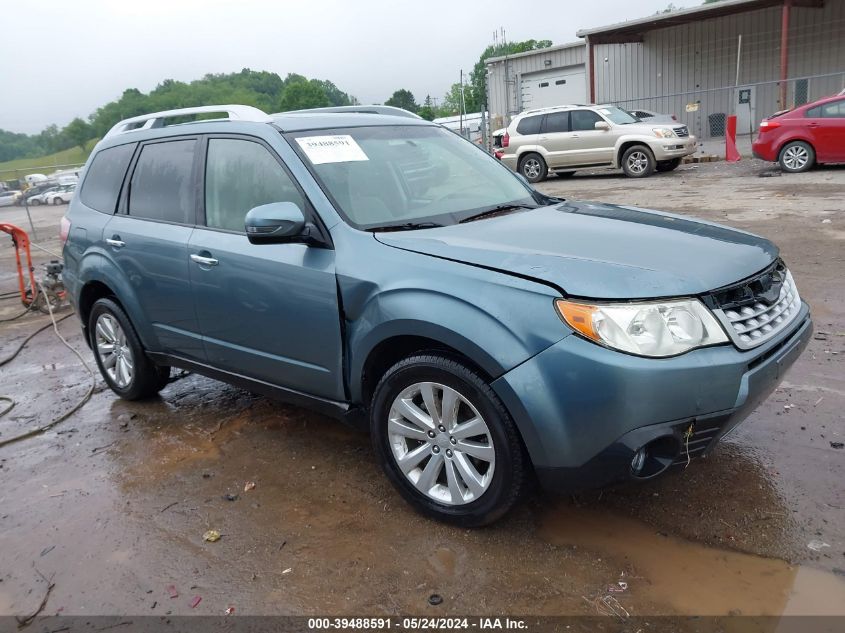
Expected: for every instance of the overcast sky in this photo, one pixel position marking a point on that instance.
(60, 59)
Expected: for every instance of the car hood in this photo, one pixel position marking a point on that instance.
(599, 251)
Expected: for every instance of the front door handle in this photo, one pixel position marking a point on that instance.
(203, 261)
(115, 241)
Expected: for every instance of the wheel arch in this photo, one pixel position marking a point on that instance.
(624, 145)
(793, 139)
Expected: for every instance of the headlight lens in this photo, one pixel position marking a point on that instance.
(664, 132)
(659, 328)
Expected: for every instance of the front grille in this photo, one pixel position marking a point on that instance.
(682, 131)
(757, 310)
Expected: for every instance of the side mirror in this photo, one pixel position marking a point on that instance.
(602, 125)
(275, 222)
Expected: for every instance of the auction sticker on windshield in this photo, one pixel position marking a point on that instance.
(340, 148)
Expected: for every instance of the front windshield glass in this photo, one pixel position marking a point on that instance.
(396, 175)
(618, 115)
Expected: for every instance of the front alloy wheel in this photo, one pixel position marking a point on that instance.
(446, 441)
(441, 443)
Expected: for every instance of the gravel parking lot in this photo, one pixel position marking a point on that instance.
(113, 503)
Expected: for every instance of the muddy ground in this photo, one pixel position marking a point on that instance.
(113, 503)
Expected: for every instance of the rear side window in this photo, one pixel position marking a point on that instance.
(162, 184)
(812, 113)
(529, 125)
(835, 110)
(241, 175)
(556, 122)
(105, 175)
(582, 120)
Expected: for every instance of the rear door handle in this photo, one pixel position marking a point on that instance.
(203, 261)
(115, 241)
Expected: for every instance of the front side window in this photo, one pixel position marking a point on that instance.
(388, 176)
(105, 176)
(162, 183)
(582, 120)
(240, 175)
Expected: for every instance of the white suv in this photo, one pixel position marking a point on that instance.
(564, 139)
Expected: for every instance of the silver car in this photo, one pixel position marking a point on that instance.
(564, 139)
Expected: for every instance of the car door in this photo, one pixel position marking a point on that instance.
(828, 132)
(556, 138)
(594, 147)
(266, 311)
(148, 240)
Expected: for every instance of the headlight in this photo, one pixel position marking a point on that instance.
(658, 328)
(664, 132)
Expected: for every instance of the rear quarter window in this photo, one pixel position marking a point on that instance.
(529, 125)
(105, 176)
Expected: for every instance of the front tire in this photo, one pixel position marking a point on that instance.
(120, 357)
(462, 463)
(533, 167)
(638, 162)
(57, 201)
(796, 156)
(34, 203)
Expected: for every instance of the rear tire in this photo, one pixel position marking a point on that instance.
(638, 162)
(466, 465)
(668, 165)
(120, 356)
(533, 167)
(34, 203)
(57, 201)
(796, 156)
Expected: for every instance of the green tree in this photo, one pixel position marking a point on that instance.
(403, 99)
(301, 95)
(451, 105)
(476, 97)
(78, 132)
(427, 110)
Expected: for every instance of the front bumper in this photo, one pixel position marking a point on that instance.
(584, 411)
(670, 148)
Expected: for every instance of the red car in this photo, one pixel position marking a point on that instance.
(809, 134)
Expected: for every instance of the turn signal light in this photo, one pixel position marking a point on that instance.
(769, 125)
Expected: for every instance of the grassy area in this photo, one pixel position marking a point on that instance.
(45, 164)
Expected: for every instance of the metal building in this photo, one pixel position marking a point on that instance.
(535, 79)
(745, 57)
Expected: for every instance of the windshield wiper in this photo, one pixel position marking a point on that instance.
(407, 226)
(499, 209)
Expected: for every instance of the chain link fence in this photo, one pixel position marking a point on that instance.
(705, 111)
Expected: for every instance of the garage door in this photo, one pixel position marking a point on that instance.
(560, 86)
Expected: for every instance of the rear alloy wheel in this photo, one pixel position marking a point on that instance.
(533, 167)
(638, 162)
(34, 203)
(446, 442)
(668, 165)
(57, 201)
(796, 157)
(120, 357)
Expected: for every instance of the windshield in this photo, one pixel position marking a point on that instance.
(407, 175)
(618, 115)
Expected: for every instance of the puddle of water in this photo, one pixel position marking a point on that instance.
(679, 576)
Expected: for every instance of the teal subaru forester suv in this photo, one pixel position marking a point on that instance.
(383, 270)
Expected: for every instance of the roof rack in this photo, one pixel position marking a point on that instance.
(358, 109)
(156, 119)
